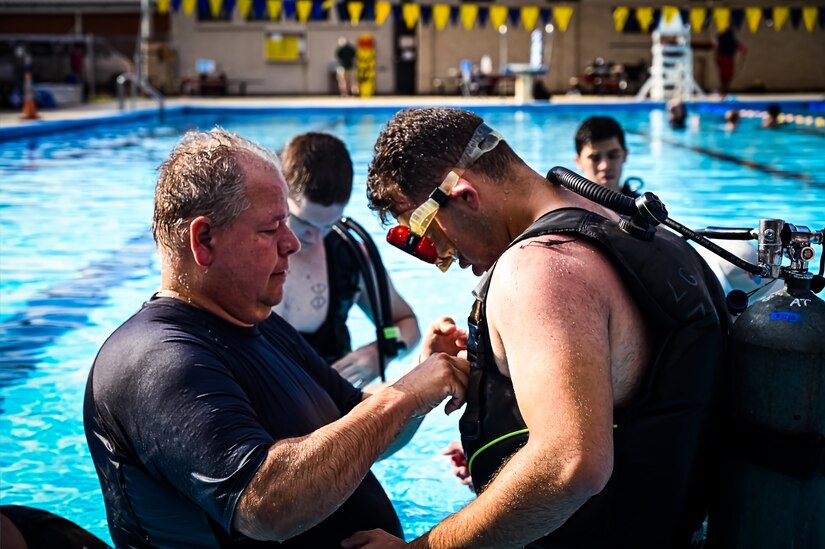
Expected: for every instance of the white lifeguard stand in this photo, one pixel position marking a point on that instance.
(671, 70)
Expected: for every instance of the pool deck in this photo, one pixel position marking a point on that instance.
(109, 108)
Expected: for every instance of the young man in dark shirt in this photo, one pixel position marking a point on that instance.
(210, 421)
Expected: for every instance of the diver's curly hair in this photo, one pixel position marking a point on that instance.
(202, 176)
(416, 149)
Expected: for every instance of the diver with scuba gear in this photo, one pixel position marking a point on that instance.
(338, 265)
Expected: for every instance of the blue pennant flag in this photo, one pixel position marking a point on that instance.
(514, 15)
(289, 10)
(737, 18)
(546, 15)
(426, 15)
(176, 5)
(796, 17)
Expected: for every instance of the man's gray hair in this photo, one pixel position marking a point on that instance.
(203, 176)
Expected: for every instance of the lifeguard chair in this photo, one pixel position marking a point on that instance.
(671, 70)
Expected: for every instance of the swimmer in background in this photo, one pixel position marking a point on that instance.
(325, 279)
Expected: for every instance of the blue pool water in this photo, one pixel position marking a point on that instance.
(78, 259)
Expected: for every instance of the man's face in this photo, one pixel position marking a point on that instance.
(311, 222)
(246, 277)
(602, 161)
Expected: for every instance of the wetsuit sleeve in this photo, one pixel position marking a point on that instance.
(204, 436)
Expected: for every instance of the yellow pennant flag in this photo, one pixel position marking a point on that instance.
(410, 13)
(808, 17)
(753, 16)
(669, 12)
(163, 6)
(780, 16)
(498, 16)
(244, 6)
(303, 8)
(215, 7)
(355, 9)
(441, 14)
(721, 16)
(620, 16)
(697, 18)
(469, 12)
(273, 8)
(562, 16)
(529, 16)
(645, 17)
(382, 11)
(188, 6)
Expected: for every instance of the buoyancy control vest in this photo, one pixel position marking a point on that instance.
(664, 438)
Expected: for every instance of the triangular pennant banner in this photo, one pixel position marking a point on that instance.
(483, 16)
(780, 16)
(188, 6)
(469, 12)
(289, 9)
(441, 14)
(163, 6)
(669, 12)
(410, 13)
(259, 8)
(752, 16)
(176, 5)
(354, 10)
(455, 16)
(645, 17)
(546, 15)
(215, 7)
(721, 17)
(821, 18)
(697, 18)
(303, 8)
(562, 15)
(426, 14)
(809, 17)
(229, 7)
(620, 16)
(796, 17)
(529, 16)
(737, 17)
(514, 15)
(382, 11)
(498, 16)
(273, 9)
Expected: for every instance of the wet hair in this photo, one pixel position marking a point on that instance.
(204, 175)
(677, 113)
(417, 148)
(732, 116)
(598, 128)
(774, 109)
(318, 168)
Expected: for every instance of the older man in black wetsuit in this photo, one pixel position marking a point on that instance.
(211, 422)
(596, 354)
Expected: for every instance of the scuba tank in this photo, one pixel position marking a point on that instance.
(771, 486)
(770, 489)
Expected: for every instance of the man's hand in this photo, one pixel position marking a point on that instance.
(458, 459)
(443, 336)
(360, 366)
(372, 538)
(433, 380)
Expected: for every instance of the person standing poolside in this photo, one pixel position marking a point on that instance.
(601, 153)
(326, 280)
(604, 347)
(210, 421)
(727, 47)
(346, 73)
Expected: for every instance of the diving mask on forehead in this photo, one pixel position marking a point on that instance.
(410, 234)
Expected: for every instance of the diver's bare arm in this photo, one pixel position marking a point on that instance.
(554, 333)
(304, 479)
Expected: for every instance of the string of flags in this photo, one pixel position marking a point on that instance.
(472, 15)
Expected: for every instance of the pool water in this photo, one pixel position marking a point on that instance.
(78, 259)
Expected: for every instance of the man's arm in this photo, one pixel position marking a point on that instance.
(548, 318)
(305, 479)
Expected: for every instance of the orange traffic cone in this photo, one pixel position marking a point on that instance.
(29, 104)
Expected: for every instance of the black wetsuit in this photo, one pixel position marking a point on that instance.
(663, 438)
(180, 410)
(332, 338)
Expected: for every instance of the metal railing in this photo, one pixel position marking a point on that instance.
(136, 83)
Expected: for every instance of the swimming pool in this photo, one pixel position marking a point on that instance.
(78, 259)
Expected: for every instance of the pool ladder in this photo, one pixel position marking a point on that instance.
(144, 86)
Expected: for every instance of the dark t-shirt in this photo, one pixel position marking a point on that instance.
(346, 56)
(180, 410)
